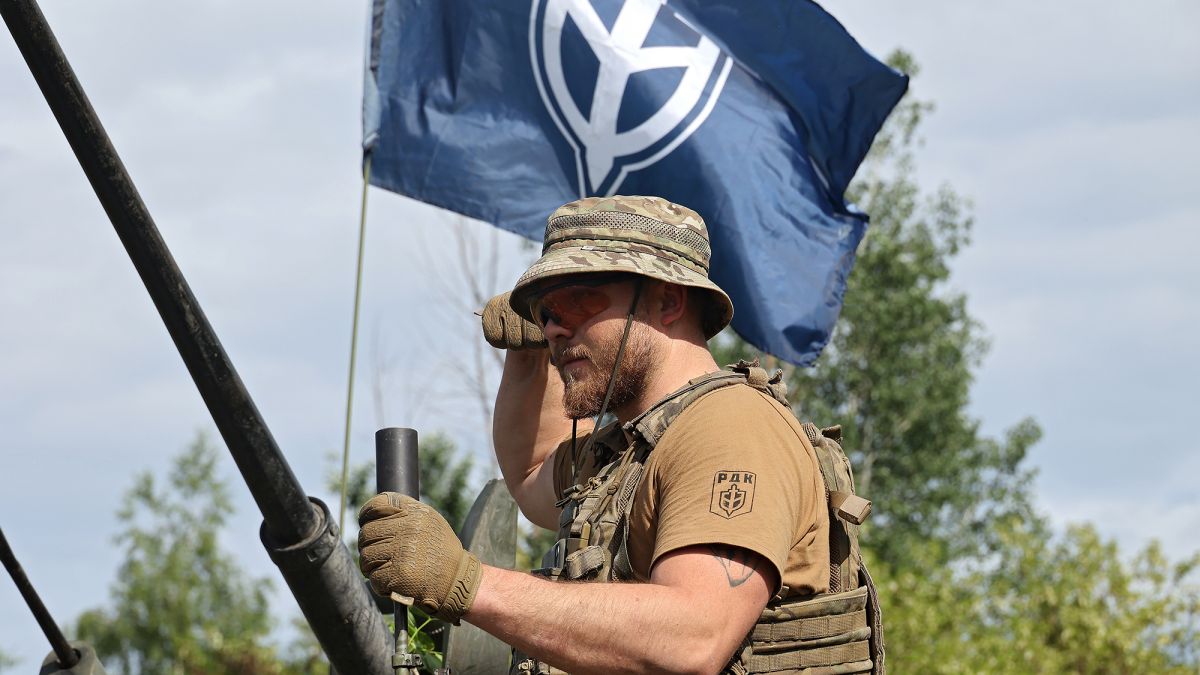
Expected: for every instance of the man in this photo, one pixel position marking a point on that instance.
(704, 493)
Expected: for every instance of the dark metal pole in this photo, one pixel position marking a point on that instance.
(323, 578)
(67, 658)
(397, 469)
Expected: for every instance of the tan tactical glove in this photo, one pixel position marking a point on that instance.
(504, 329)
(407, 548)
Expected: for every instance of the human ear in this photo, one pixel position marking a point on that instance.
(673, 303)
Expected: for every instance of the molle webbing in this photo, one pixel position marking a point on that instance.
(826, 633)
(839, 479)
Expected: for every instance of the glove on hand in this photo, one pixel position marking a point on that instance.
(505, 329)
(408, 548)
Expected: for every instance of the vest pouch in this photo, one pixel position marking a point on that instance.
(554, 561)
(826, 634)
(585, 563)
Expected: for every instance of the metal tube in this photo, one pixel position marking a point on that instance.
(397, 469)
(67, 658)
(345, 621)
(335, 601)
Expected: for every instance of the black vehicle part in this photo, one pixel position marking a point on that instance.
(329, 590)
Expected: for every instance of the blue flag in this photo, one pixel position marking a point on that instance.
(754, 113)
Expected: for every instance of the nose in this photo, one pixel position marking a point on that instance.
(556, 331)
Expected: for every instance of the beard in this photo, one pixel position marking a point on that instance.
(583, 393)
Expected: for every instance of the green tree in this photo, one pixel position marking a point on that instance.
(1045, 603)
(971, 578)
(6, 661)
(180, 604)
(897, 371)
(532, 544)
(446, 479)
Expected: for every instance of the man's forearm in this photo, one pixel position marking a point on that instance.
(596, 628)
(528, 411)
(528, 424)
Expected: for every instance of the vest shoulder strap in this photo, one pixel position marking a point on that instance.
(651, 425)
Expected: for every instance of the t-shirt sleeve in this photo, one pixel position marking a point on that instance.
(727, 472)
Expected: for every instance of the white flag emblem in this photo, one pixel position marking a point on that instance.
(604, 152)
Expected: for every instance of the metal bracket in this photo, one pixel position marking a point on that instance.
(407, 660)
(313, 549)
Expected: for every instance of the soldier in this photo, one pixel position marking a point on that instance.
(705, 494)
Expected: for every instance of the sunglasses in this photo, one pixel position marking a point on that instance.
(571, 303)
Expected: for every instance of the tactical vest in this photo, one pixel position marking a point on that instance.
(836, 632)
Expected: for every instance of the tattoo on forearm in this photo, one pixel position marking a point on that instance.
(738, 563)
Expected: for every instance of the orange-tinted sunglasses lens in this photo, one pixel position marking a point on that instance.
(570, 307)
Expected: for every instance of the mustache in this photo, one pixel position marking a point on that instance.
(561, 356)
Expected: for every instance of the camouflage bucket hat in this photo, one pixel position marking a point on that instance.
(649, 236)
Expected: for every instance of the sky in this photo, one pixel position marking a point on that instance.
(1073, 127)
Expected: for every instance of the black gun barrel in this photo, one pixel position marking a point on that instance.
(323, 578)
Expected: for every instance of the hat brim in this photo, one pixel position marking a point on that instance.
(572, 260)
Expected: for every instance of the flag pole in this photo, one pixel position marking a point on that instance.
(358, 282)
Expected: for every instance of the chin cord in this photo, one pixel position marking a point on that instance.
(612, 383)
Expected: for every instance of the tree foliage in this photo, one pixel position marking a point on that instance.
(1046, 603)
(532, 544)
(180, 604)
(446, 479)
(971, 577)
(897, 371)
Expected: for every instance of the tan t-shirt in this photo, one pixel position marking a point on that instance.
(735, 468)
